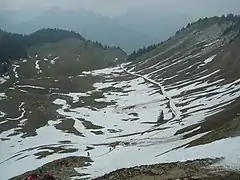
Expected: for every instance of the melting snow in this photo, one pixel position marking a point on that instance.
(208, 60)
(53, 61)
(2, 96)
(37, 66)
(4, 79)
(15, 66)
(228, 148)
(29, 86)
(2, 114)
(174, 109)
(210, 44)
(136, 96)
(137, 155)
(23, 111)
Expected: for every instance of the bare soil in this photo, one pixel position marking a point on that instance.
(190, 170)
(63, 169)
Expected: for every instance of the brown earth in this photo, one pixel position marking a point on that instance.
(63, 169)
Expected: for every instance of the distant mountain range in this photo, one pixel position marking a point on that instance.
(131, 30)
(89, 24)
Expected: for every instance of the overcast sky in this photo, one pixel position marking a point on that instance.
(117, 7)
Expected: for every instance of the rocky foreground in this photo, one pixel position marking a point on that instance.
(197, 170)
(63, 169)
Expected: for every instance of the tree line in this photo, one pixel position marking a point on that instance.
(135, 54)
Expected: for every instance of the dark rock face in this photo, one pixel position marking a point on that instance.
(61, 169)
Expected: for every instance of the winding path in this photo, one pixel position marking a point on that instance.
(175, 111)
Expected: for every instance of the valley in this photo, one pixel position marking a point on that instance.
(176, 103)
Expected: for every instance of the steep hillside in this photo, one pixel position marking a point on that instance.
(173, 101)
(58, 43)
(197, 72)
(222, 25)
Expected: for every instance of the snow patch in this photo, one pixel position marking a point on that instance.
(2, 96)
(4, 79)
(53, 61)
(37, 66)
(29, 86)
(2, 114)
(23, 111)
(228, 148)
(15, 66)
(208, 60)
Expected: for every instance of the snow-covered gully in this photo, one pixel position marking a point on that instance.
(175, 111)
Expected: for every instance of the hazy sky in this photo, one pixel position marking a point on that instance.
(118, 7)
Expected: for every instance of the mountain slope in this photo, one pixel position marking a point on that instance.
(58, 44)
(176, 101)
(197, 71)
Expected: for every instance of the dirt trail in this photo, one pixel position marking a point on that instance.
(175, 111)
